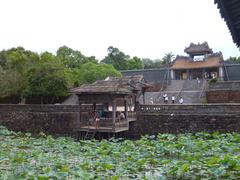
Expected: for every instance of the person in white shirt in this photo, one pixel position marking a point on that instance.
(121, 116)
(173, 99)
(151, 100)
(166, 99)
(181, 100)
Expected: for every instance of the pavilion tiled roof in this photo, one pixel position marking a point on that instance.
(185, 63)
(198, 49)
(112, 85)
(230, 11)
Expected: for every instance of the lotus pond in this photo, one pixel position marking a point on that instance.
(166, 156)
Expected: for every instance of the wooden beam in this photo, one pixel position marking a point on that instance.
(126, 108)
(113, 114)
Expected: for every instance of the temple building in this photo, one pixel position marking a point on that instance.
(201, 63)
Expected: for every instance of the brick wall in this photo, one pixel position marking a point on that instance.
(223, 96)
(223, 92)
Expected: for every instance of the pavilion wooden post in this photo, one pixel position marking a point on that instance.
(113, 114)
(94, 106)
(143, 96)
(79, 113)
(126, 111)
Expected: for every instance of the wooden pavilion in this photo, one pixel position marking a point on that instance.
(105, 100)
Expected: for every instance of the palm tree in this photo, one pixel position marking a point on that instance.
(168, 57)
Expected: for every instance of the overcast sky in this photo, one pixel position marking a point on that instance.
(143, 28)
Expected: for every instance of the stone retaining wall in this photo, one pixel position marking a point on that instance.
(52, 119)
(154, 123)
(223, 96)
(223, 92)
(152, 119)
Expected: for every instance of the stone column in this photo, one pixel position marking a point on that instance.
(203, 73)
(172, 74)
(188, 74)
(220, 72)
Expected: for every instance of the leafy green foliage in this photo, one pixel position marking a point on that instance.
(73, 58)
(116, 58)
(91, 72)
(234, 59)
(47, 76)
(152, 64)
(46, 80)
(135, 63)
(121, 61)
(14, 64)
(167, 156)
(167, 59)
(158, 63)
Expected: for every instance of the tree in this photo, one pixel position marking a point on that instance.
(151, 64)
(48, 57)
(234, 59)
(167, 59)
(135, 63)
(46, 80)
(91, 72)
(73, 58)
(15, 63)
(117, 58)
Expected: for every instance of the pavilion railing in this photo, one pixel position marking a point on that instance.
(87, 121)
(132, 115)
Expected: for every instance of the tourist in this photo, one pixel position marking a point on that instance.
(166, 99)
(198, 80)
(151, 100)
(103, 112)
(121, 116)
(173, 99)
(181, 100)
(96, 118)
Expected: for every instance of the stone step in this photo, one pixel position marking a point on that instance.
(175, 85)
